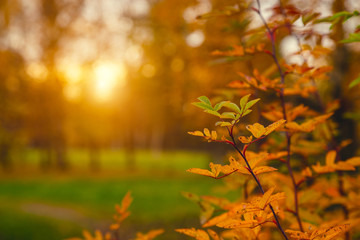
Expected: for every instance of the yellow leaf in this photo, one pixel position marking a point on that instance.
(354, 161)
(200, 171)
(256, 129)
(330, 232)
(263, 169)
(198, 234)
(213, 234)
(108, 236)
(213, 135)
(215, 169)
(309, 125)
(245, 140)
(236, 223)
(343, 166)
(330, 158)
(277, 196)
(306, 172)
(87, 235)
(265, 198)
(114, 226)
(273, 115)
(323, 169)
(216, 220)
(196, 133)
(98, 235)
(299, 110)
(274, 126)
(298, 235)
(150, 235)
(207, 132)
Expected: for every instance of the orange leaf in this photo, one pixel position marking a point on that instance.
(298, 235)
(195, 233)
(265, 198)
(200, 171)
(330, 158)
(150, 235)
(245, 140)
(263, 169)
(237, 223)
(196, 133)
(274, 126)
(256, 129)
(213, 234)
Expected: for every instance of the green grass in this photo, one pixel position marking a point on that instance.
(61, 205)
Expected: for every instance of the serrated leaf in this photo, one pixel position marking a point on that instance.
(244, 100)
(205, 100)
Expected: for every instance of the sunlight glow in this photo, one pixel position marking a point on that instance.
(108, 76)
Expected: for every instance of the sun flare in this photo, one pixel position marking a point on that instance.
(107, 77)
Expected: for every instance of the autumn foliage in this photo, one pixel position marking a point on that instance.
(287, 154)
(291, 168)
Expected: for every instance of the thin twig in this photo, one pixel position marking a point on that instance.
(282, 100)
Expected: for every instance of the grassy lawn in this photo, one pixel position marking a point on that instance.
(60, 206)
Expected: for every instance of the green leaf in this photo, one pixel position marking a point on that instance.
(354, 82)
(308, 18)
(353, 37)
(213, 113)
(225, 124)
(251, 103)
(205, 99)
(228, 115)
(232, 106)
(202, 105)
(244, 100)
(218, 106)
(247, 112)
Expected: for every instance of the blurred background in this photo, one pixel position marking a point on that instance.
(95, 100)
